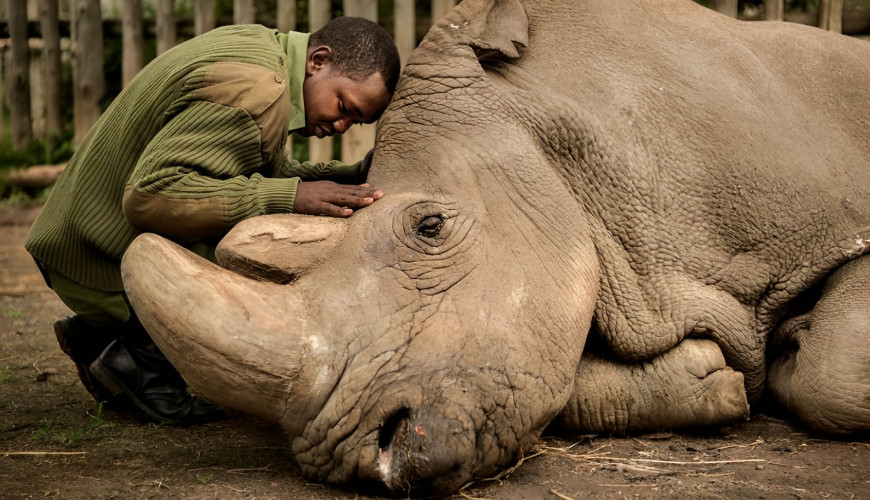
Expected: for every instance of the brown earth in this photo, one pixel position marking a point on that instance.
(56, 442)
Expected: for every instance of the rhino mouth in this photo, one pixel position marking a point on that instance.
(424, 451)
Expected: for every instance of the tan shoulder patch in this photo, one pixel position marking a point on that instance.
(259, 91)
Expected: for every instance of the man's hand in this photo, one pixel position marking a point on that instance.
(332, 199)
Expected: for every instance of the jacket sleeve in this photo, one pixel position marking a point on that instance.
(199, 176)
(313, 171)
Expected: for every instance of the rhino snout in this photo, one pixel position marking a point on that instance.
(424, 450)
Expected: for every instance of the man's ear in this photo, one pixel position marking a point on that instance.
(318, 58)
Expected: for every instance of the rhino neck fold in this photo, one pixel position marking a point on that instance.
(236, 341)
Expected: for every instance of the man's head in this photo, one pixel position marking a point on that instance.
(351, 72)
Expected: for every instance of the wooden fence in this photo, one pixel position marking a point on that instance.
(39, 45)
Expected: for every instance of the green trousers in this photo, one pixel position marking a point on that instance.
(100, 308)
(97, 308)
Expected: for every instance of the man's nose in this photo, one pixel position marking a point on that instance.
(342, 125)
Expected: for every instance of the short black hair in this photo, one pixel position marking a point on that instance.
(360, 48)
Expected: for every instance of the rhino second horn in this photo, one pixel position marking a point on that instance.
(237, 341)
(280, 247)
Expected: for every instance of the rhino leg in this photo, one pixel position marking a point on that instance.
(688, 386)
(821, 364)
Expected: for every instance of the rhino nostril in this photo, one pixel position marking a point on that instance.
(388, 430)
(422, 450)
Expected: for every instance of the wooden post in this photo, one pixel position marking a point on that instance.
(167, 33)
(836, 24)
(3, 94)
(19, 86)
(133, 55)
(88, 76)
(831, 15)
(287, 22)
(286, 16)
(359, 139)
(37, 87)
(773, 10)
(244, 12)
(204, 16)
(361, 8)
(727, 7)
(824, 13)
(404, 28)
(440, 8)
(48, 17)
(319, 13)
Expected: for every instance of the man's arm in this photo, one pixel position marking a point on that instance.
(353, 173)
(198, 178)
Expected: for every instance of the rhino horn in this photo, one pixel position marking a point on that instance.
(279, 247)
(245, 345)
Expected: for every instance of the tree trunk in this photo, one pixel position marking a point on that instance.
(167, 32)
(727, 7)
(319, 13)
(19, 82)
(89, 79)
(359, 139)
(440, 8)
(204, 16)
(773, 10)
(404, 28)
(48, 15)
(244, 12)
(133, 56)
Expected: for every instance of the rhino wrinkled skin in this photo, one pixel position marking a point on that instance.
(689, 191)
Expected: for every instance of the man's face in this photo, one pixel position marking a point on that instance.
(334, 102)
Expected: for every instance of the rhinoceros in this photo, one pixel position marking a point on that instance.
(600, 215)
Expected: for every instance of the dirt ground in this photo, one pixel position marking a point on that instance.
(56, 442)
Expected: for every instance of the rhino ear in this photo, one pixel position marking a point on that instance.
(494, 27)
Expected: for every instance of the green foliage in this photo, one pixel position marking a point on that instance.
(53, 433)
(7, 376)
(57, 149)
(14, 312)
(300, 148)
(11, 196)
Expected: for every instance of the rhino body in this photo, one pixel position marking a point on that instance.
(681, 198)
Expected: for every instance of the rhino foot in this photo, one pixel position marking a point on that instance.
(819, 368)
(688, 386)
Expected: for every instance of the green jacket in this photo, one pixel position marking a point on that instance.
(192, 146)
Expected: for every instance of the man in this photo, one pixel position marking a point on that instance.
(194, 145)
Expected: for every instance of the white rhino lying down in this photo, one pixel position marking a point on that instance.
(689, 192)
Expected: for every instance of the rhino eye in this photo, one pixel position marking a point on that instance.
(431, 226)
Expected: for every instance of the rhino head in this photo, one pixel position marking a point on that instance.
(428, 339)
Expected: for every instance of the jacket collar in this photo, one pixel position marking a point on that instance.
(295, 45)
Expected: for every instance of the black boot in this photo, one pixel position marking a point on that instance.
(138, 369)
(83, 343)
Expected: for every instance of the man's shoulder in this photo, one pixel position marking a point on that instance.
(260, 91)
(244, 85)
